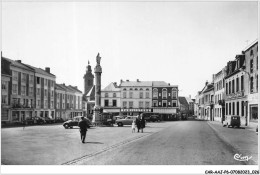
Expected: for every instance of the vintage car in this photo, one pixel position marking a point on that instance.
(75, 122)
(232, 120)
(126, 121)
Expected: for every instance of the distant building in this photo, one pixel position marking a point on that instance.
(236, 89)
(60, 94)
(219, 95)
(251, 67)
(135, 97)
(111, 99)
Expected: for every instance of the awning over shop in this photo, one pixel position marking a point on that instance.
(165, 110)
(111, 110)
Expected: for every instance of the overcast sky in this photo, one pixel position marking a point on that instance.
(182, 43)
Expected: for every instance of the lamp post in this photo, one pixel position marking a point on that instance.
(242, 69)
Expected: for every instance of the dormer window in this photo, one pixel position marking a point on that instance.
(136, 89)
(141, 89)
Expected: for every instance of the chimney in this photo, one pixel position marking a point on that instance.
(206, 83)
(121, 81)
(76, 87)
(169, 84)
(115, 83)
(127, 80)
(19, 61)
(47, 69)
(137, 80)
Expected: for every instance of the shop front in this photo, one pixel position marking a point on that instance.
(166, 114)
(134, 111)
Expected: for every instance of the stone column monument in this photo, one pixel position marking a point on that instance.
(97, 107)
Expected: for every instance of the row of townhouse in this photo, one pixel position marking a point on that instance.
(233, 91)
(135, 97)
(28, 91)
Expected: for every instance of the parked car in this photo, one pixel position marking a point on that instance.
(75, 122)
(232, 120)
(49, 120)
(59, 120)
(39, 120)
(29, 121)
(155, 118)
(126, 121)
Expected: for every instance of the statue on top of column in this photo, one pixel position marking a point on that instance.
(98, 59)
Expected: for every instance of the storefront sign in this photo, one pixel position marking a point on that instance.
(136, 110)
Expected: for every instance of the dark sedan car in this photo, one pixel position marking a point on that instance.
(75, 122)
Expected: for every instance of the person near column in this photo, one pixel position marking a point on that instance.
(83, 125)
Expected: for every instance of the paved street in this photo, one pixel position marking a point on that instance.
(165, 143)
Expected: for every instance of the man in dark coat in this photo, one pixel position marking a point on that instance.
(83, 125)
(142, 123)
(138, 123)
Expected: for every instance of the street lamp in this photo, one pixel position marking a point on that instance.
(242, 69)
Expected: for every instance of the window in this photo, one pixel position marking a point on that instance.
(242, 82)
(124, 94)
(63, 96)
(238, 108)
(15, 75)
(164, 103)
(106, 94)
(38, 103)
(251, 65)
(4, 85)
(229, 85)
(226, 108)
(164, 93)
(251, 84)
(63, 105)
(233, 86)
(114, 103)
(141, 94)
(147, 94)
(130, 94)
(23, 90)
(257, 83)
(23, 77)
(14, 88)
(141, 104)
(124, 104)
(38, 92)
(147, 104)
(45, 92)
(237, 84)
(155, 103)
(130, 104)
(229, 108)
(233, 108)
(58, 105)
(38, 80)
(52, 93)
(114, 95)
(4, 99)
(251, 53)
(242, 108)
(45, 82)
(52, 104)
(226, 88)
(174, 93)
(30, 91)
(174, 103)
(106, 102)
(45, 104)
(155, 93)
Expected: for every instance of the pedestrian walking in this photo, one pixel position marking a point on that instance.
(83, 125)
(133, 126)
(142, 122)
(138, 122)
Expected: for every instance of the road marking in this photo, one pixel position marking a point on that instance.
(78, 160)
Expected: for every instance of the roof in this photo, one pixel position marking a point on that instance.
(17, 64)
(59, 87)
(136, 84)
(75, 88)
(40, 71)
(251, 45)
(145, 83)
(91, 91)
(183, 101)
(189, 100)
(111, 87)
(210, 87)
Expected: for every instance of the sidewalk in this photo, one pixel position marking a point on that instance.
(244, 140)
